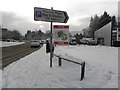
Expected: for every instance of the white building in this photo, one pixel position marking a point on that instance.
(103, 35)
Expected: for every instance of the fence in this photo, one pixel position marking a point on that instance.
(82, 65)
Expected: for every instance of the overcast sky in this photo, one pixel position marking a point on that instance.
(18, 14)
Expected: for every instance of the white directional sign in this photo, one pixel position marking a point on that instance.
(61, 34)
(49, 15)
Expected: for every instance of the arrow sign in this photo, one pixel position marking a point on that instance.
(49, 15)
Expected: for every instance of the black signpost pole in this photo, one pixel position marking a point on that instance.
(51, 44)
(50, 15)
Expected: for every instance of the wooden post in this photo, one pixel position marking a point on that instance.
(60, 62)
(82, 70)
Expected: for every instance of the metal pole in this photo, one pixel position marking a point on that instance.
(111, 36)
(118, 29)
(51, 44)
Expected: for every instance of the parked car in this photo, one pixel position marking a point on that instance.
(83, 41)
(35, 43)
(73, 42)
(93, 42)
(10, 40)
(44, 41)
(41, 42)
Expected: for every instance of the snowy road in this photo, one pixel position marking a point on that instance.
(13, 53)
(33, 71)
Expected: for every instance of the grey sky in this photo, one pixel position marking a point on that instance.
(18, 14)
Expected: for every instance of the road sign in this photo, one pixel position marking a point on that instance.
(49, 15)
(61, 34)
(118, 30)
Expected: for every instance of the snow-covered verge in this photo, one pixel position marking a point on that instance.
(6, 44)
(101, 63)
(33, 71)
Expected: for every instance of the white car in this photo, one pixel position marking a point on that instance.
(41, 42)
(35, 43)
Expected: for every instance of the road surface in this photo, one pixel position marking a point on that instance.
(13, 53)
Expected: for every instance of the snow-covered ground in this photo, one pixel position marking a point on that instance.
(6, 44)
(33, 71)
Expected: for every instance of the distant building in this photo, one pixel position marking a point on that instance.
(107, 35)
(103, 35)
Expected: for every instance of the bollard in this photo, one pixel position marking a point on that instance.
(47, 47)
(82, 70)
(60, 61)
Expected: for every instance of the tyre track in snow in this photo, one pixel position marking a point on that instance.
(14, 53)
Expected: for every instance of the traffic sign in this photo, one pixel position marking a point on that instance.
(49, 15)
(118, 30)
(61, 34)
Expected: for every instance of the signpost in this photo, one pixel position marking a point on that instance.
(61, 34)
(118, 30)
(50, 15)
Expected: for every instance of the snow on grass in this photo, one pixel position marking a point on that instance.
(6, 44)
(101, 63)
(99, 56)
(33, 71)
